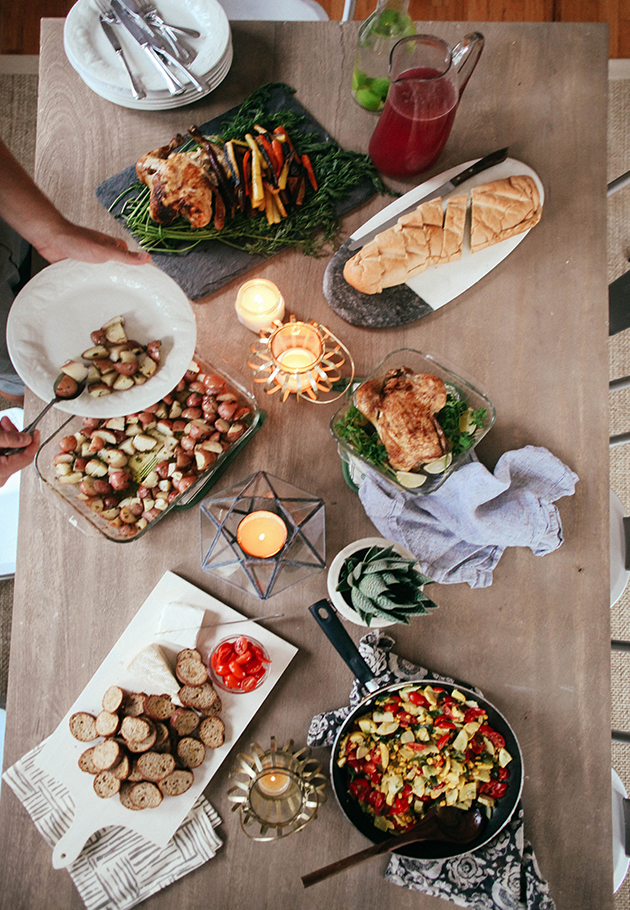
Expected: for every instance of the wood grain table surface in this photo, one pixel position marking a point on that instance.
(533, 333)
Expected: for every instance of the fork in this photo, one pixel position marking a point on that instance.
(152, 14)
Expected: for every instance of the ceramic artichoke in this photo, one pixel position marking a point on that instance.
(379, 583)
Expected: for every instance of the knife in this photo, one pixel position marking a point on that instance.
(160, 55)
(150, 18)
(483, 164)
(136, 89)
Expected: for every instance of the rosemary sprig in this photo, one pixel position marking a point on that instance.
(337, 170)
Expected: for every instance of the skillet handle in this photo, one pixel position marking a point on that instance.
(326, 617)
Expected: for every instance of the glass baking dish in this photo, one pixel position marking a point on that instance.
(73, 499)
(431, 476)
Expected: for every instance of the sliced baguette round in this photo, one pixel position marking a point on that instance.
(86, 761)
(144, 795)
(142, 745)
(191, 752)
(83, 727)
(191, 672)
(177, 783)
(113, 699)
(158, 707)
(184, 721)
(107, 754)
(136, 729)
(212, 732)
(189, 652)
(122, 769)
(106, 785)
(125, 787)
(204, 698)
(133, 704)
(155, 766)
(107, 723)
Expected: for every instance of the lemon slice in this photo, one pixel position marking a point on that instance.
(439, 465)
(409, 480)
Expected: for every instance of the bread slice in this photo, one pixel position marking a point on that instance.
(106, 755)
(136, 728)
(212, 732)
(154, 766)
(113, 699)
(133, 704)
(184, 721)
(191, 752)
(83, 727)
(204, 698)
(107, 723)
(106, 785)
(86, 761)
(502, 209)
(191, 672)
(158, 707)
(177, 783)
(454, 224)
(144, 795)
(123, 794)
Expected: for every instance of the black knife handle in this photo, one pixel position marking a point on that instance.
(479, 166)
(326, 617)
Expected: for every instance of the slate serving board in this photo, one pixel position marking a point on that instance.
(212, 264)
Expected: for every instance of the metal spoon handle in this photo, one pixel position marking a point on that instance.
(174, 86)
(29, 429)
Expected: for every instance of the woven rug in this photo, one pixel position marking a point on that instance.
(18, 112)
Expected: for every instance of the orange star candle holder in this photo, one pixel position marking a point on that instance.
(301, 358)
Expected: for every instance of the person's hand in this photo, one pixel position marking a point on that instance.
(10, 437)
(86, 245)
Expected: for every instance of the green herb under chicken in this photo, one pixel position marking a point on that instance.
(303, 216)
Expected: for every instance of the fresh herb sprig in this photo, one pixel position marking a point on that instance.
(311, 227)
(450, 417)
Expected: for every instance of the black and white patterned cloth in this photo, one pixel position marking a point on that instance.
(504, 874)
(117, 868)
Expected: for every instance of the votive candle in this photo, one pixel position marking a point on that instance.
(261, 534)
(258, 303)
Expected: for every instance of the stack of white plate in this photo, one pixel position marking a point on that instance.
(95, 60)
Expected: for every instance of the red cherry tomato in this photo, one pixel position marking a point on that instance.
(231, 682)
(241, 644)
(249, 683)
(222, 669)
(236, 670)
(244, 658)
(224, 651)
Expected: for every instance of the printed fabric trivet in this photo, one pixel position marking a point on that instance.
(117, 868)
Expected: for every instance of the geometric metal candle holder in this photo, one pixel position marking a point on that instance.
(279, 793)
(303, 553)
(303, 358)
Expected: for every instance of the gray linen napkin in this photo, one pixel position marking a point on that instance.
(459, 532)
(504, 874)
(118, 868)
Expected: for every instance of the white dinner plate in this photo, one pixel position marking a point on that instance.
(437, 285)
(53, 315)
(90, 53)
(61, 751)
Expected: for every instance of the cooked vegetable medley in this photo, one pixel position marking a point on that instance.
(422, 747)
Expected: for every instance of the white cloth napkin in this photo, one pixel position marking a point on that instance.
(117, 868)
(459, 532)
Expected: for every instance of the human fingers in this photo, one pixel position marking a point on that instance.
(10, 464)
(11, 437)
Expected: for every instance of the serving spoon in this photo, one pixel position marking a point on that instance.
(444, 823)
(66, 389)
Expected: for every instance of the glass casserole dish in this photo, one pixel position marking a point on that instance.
(468, 409)
(142, 466)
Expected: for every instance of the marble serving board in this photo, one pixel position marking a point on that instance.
(426, 292)
(212, 264)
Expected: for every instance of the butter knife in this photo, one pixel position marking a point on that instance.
(136, 89)
(483, 164)
(150, 18)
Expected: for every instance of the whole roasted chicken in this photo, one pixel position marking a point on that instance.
(402, 407)
(190, 184)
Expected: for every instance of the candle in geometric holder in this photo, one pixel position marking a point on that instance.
(279, 793)
(262, 535)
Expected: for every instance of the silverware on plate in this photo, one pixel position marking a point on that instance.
(152, 45)
(150, 15)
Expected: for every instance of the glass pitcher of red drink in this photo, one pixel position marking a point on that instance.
(427, 81)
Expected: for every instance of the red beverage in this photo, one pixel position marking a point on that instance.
(415, 124)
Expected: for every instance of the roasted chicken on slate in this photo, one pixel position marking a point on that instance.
(402, 407)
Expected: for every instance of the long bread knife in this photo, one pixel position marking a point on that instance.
(483, 164)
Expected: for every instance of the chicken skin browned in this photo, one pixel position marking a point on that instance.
(402, 407)
(180, 184)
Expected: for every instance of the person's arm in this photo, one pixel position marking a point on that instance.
(10, 437)
(35, 218)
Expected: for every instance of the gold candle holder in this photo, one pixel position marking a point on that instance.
(280, 792)
(303, 358)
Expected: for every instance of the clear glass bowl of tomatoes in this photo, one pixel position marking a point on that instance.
(239, 664)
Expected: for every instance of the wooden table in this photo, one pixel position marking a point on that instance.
(533, 333)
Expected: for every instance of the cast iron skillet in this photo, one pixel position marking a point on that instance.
(327, 618)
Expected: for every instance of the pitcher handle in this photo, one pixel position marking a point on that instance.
(466, 56)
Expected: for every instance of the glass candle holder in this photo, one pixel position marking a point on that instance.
(262, 535)
(303, 358)
(258, 304)
(279, 791)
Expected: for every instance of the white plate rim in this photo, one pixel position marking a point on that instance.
(45, 296)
